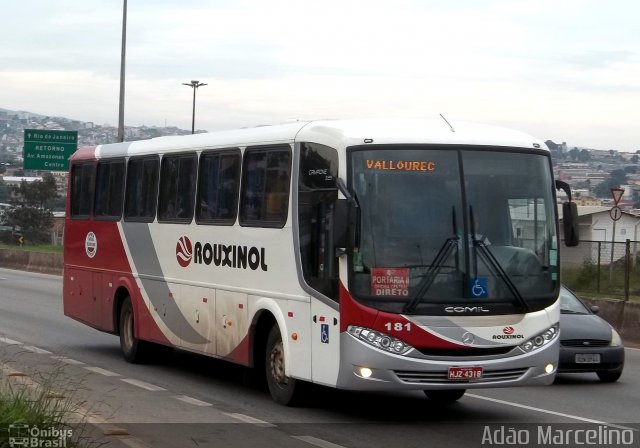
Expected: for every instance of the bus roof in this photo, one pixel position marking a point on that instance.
(334, 133)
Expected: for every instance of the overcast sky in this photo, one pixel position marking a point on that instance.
(566, 70)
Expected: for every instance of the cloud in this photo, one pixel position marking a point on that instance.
(543, 64)
(599, 58)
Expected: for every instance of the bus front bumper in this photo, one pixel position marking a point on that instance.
(364, 367)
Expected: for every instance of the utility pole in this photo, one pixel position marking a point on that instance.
(122, 60)
(194, 85)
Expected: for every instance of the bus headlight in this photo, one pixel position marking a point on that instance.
(379, 340)
(541, 339)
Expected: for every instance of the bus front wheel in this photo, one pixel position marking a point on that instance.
(444, 396)
(133, 349)
(284, 390)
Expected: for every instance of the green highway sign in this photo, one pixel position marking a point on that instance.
(48, 150)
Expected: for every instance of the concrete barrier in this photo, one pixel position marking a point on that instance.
(623, 316)
(45, 262)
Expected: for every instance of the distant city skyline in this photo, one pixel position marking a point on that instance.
(569, 146)
(563, 71)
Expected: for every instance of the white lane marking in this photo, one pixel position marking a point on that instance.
(143, 384)
(37, 350)
(68, 360)
(253, 421)
(101, 371)
(9, 341)
(547, 411)
(631, 348)
(192, 401)
(317, 442)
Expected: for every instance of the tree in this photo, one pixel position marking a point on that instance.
(584, 155)
(615, 179)
(30, 213)
(574, 154)
(34, 223)
(635, 158)
(4, 192)
(36, 194)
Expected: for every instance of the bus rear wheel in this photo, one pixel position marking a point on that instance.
(444, 396)
(284, 390)
(133, 349)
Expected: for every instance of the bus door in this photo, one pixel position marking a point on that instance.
(317, 196)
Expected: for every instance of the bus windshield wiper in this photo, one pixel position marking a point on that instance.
(499, 271)
(434, 269)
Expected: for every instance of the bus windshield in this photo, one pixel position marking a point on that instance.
(448, 226)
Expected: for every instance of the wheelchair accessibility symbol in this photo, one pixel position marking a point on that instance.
(479, 287)
(324, 333)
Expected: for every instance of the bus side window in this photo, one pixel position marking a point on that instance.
(82, 186)
(141, 194)
(177, 188)
(264, 197)
(317, 194)
(218, 185)
(109, 190)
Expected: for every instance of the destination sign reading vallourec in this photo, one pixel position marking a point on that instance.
(48, 150)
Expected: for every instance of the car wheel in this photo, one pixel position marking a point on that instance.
(609, 377)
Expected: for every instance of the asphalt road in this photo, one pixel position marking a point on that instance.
(185, 400)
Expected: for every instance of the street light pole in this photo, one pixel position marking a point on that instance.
(194, 85)
(122, 61)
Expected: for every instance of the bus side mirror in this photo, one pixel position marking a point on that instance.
(341, 212)
(569, 216)
(570, 220)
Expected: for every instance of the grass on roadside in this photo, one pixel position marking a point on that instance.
(49, 248)
(607, 281)
(30, 410)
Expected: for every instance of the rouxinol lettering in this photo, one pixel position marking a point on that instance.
(238, 257)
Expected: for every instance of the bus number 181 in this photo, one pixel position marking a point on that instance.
(398, 326)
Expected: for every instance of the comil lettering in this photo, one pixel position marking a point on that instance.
(400, 165)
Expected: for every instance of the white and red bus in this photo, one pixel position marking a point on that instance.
(366, 255)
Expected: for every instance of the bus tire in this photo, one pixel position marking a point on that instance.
(284, 390)
(133, 349)
(444, 396)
